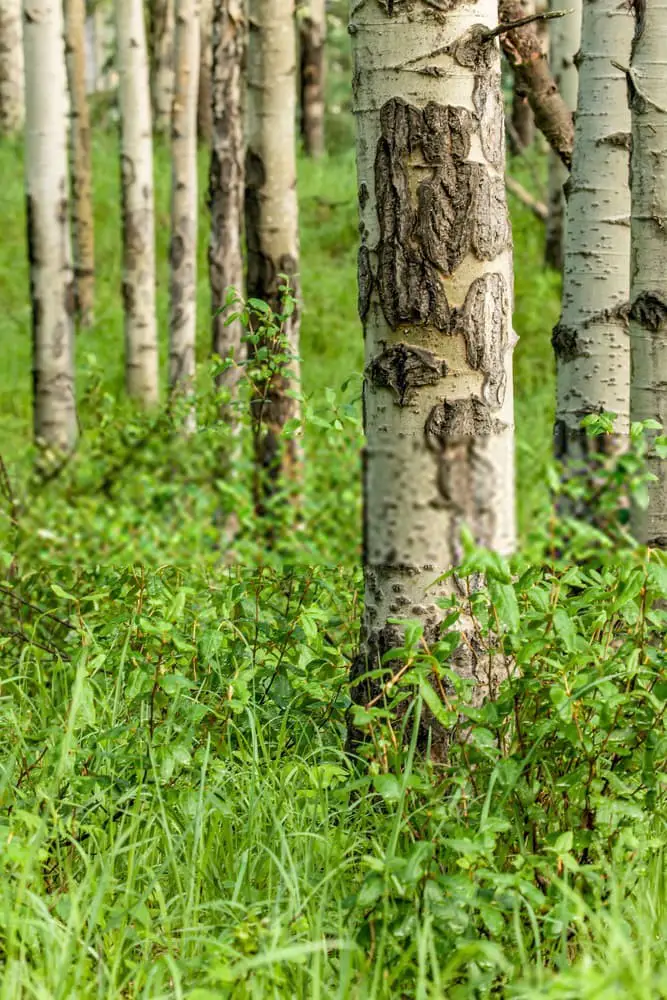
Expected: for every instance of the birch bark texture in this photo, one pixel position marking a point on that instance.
(272, 231)
(591, 340)
(564, 41)
(647, 93)
(183, 249)
(80, 161)
(205, 98)
(227, 179)
(12, 95)
(137, 204)
(435, 296)
(49, 252)
(161, 30)
(312, 20)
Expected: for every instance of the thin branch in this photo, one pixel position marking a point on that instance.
(504, 27)
(538, 208)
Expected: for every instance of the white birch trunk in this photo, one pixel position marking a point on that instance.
(55, 423)
(183, 251)
(141, 348)
(12, 97)
(162, 34)
(564, 40)
(81, 161)
(271, 215)
(591, 340)
(226, 179)
(647, 86)
(312, 18)
(435, 296)
(205, 97)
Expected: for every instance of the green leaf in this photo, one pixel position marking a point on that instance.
(504, 601)
(387, 785)
(445, 717)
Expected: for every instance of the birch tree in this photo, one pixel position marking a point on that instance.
(205, 98)
(161, 28)
(81, 161)
(183, 285)
(591, 339)
(226, 177)
(141, 349)
(647, 90)
(55, 423)
(312, 20)
(271, 216)
(12, 99)
(435, 294)
(564, 40)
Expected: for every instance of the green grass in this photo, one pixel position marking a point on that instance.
(177, 815)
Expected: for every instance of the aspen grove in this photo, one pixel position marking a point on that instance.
(333, 499)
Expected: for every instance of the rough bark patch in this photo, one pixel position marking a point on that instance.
(565, 342)
(650, 310)
(456, 434)
(484, 322)
(457, 211)
(403, 369)
(364, 281)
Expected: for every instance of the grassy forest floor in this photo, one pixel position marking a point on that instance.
(178, 818)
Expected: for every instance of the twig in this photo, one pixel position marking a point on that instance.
(538, 208)
(506, 26)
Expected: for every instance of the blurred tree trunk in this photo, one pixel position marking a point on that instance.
(226, 178)
(103, 43)
(183, 251)
(312, 20)
(55, 421)
(647, 88)
(523, 121)
(141, 349)
(161, 26)
(205, 98)
(12, 98)
(591, 339)
(81, 164)
(435, 298)
(564, 39)
(271, 215)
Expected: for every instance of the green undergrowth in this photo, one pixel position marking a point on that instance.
(179, 816)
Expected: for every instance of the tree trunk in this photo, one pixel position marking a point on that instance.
(51, 291)
(523, 121)
(647, 89)
(591, 339)
(81, 164)
(141, 349)
(12, 98)
(226, 178)
(103, 43)
(183, 288)
(564, 38)
(205, 98)
(312, 66)
(271, 215)
(435, 294)
(161, 19)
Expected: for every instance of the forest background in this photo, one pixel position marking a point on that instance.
(179, 815)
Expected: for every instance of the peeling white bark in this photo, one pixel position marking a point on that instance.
(435, 295)
(47, 187)
(647, 87)
(141, 348)
(183, 286)
(591, 340)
